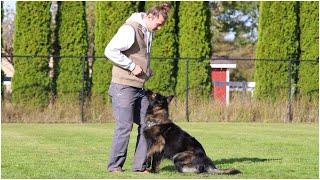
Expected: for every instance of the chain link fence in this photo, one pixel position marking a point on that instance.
(190, 108)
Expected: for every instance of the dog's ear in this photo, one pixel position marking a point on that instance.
(148, 93)
(169, 98)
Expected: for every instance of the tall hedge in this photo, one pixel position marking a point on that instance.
(72, 40)
(309, 44)
(164, 44)
(109, 16)
(30, 82)
(278, 38)
(194, 42)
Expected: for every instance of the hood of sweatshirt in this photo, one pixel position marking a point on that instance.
(137, 17)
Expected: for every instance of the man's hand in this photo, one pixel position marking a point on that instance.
(137, 71)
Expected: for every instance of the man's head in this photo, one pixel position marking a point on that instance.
(157, 16)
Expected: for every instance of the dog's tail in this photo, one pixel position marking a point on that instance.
(223, 171)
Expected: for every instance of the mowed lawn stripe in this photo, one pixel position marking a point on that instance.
(81, 150)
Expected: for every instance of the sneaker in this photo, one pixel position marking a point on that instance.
(145, 171)
(116, 170)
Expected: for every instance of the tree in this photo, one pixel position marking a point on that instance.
(240, 18)
(54, 50)
(32, 37)
(164, 44)
(72, 39)
(278, 39)
(2, 73)
(90, 12)
(7, 27)
(1, 21)
(194, 42)
(109, 17)
(234, 28)
(1, 11)
(308, 83)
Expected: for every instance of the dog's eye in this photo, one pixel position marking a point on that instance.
(157, 97)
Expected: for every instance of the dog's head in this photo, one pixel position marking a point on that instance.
(158, 100)
(158, 106)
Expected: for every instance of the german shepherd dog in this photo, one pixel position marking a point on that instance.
(166, 139)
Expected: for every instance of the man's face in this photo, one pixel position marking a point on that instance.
(155, 23)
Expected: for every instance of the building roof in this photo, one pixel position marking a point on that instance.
(222, 62)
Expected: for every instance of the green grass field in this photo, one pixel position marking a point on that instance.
(81, 150)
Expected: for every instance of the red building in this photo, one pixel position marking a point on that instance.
(220, 76)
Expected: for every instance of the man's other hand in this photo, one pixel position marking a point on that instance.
(137, 71)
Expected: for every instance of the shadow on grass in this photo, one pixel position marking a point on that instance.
(171, 168)
(233, 160)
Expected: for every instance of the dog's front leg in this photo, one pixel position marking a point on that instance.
(157, 146)
(156, 152)
(156, 160)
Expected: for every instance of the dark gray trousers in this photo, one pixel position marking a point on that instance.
(129, 104)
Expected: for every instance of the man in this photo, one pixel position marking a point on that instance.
(129, 50)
